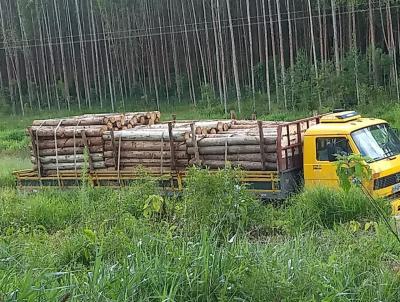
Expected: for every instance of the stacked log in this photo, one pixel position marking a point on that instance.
(62, 147)
(132, 119)
(126, 142)
(159, 147)
(59, 144)
(250, 145)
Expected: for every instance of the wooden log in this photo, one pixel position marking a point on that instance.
(69, 142)
(71, 166)
(125, 171)
(146, 135)
(68, 158)
(212, 124)
(139, 169)
(144, 146)
(74, 121)
(256, 157)
(147, 155)
(220, 150)
(110, 162)
(237, 140)
(248, 166)
(91, 131)
(69, 151)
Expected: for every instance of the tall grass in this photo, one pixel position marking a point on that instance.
(98, 245)
(325, 207)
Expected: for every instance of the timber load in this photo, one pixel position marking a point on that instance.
(60, 144)
(125, 142)
(159, 148)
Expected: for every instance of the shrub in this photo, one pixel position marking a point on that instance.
(216, 201)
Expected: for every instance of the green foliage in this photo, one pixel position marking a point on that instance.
(214, 243)
(153, 205)
(325, 207)
(216, 201)
(352, 170)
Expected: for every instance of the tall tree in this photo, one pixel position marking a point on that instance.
(234, 59)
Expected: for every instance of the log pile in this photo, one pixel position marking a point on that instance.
(59, 144)
(159, 147)
(240, 146)
(130, 120)
(124, 142)
(250, 145)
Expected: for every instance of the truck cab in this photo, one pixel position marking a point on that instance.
(349, 133)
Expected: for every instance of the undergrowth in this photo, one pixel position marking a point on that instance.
(214, 242)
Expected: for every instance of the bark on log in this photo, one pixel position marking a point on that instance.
(74, 121)
(110, 162)
(144, 146)
(69, 151)
(91, 131)
(79, 158)
(139, 170)
(238, 140)
(256, 157)
(146, 135)
(147, 155)
(69, 142)
(220, 150)
(71, 166)
(249, 166)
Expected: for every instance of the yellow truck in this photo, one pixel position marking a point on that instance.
(308, 158)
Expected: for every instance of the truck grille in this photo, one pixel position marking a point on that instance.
(387, 181)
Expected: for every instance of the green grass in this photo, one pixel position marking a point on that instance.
(97, 245)
(10, 163)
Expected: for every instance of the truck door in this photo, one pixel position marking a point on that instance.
(319, 159)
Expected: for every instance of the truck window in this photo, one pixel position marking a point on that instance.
(329, 147)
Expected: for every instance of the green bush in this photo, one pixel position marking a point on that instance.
(216, 201)
(326, 207)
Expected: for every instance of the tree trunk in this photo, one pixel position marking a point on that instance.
(283, 72)
(335, 37)
(234, 59)
(266, 56)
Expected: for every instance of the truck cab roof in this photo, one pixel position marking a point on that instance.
(343, 123)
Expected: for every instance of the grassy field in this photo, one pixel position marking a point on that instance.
(216, 242)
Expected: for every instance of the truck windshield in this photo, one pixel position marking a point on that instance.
(377, 142)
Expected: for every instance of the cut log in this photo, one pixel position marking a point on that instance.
(144, 146)
(71, 166)
(69, 151)
(75, 121)
(238, 140)
(248, 166)
(220, 150)
(69, 142)
(110, 162)
(146, 135)
(91, 131)
(79, 158)
(256, 157)
(147, 155)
